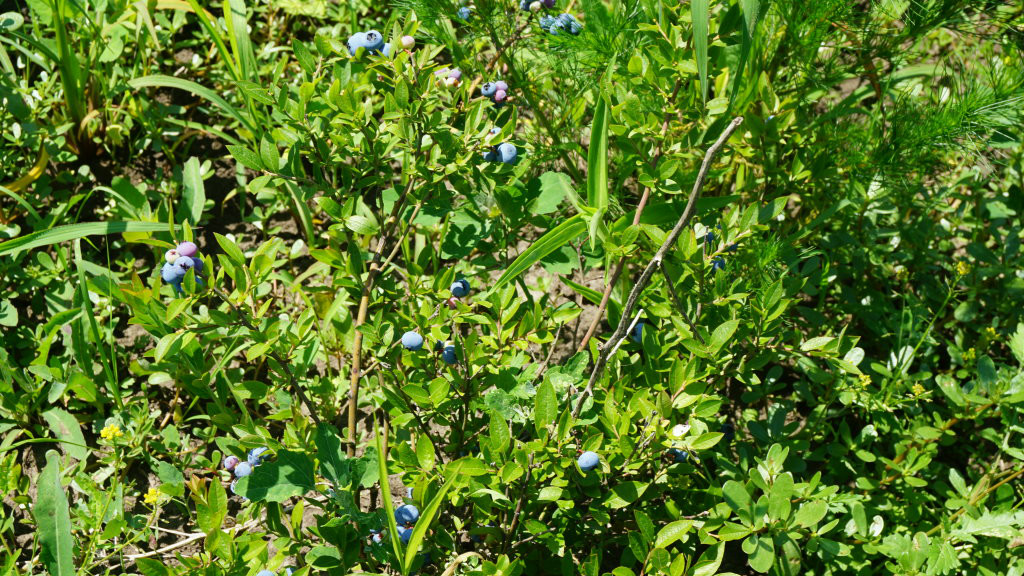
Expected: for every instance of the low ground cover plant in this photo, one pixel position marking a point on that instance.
(500, 287)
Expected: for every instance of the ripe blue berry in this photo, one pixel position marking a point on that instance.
(507, 153)
(449, 357)
(637, 334)
(728, 431)
(412, 341)
(488, 89)
(709, 238)
(465, 13)
(185, 263)
(265, 573)
(588, 461)
(460, 288)
(172, 274)
(243, 469)
(570, 24)
(374, 40)
(255, 456)
(718, 263)
(404, 534)
(407, 514)
(491, 155)
(678, 456)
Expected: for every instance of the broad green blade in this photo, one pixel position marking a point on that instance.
(552, 240)
(75, 231)
(597, 158)
(385, 492)
(238, 36)
(700, 15)
(53, 520)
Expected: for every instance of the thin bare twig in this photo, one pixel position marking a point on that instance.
(659, 256)
(617, 271)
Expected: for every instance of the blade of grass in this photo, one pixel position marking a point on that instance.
(109, 364)
(427, 517)
(75, 231)
(552, 240)
(206, 19)
(700, 15)
(385, 489)
(69, 66)
(238, 36)
(162, 81)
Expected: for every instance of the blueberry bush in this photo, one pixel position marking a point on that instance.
(490, 288)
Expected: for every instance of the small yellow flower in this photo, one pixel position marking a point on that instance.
(917, 389)
(865, 380)
(970, 355)
(111, 431)
(152, 496)
(963, 268)
(991, 333)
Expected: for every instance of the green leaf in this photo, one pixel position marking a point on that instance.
(810, 513)
(710, 560)
(76, 231)
(625, 493)
(230, 249)
(501, 437)
(706, 440)
(1017, 343)
(552, 240)
(779, 497)
(763, 554)
(161, 81)
(246, 157)
(722, 334)
(700, 14)
(303, 56)
(291, 474)
(334, 464)
(269, 154)
(545, 407)
(194, 195)
(425, 452)
(597, 158)
(53, 520)
(66, 428)
(736, 495)
(672, 532)
(554, 187)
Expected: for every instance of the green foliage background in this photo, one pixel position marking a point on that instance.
(835, 340)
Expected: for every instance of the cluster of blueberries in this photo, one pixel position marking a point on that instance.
(242, 468)
(464, 13)
(506, 152)
(178, 261)
(565, 22)
(535, 6)
(718, 262)
(496, 91)
(413, 341)
(450, 77)
(406, 517)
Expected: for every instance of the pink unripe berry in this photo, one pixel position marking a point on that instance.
(408, 42)
(499, 96)
(501, 85)
(452, 302)
(455, 73)
(535, 7)
(187, 249)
